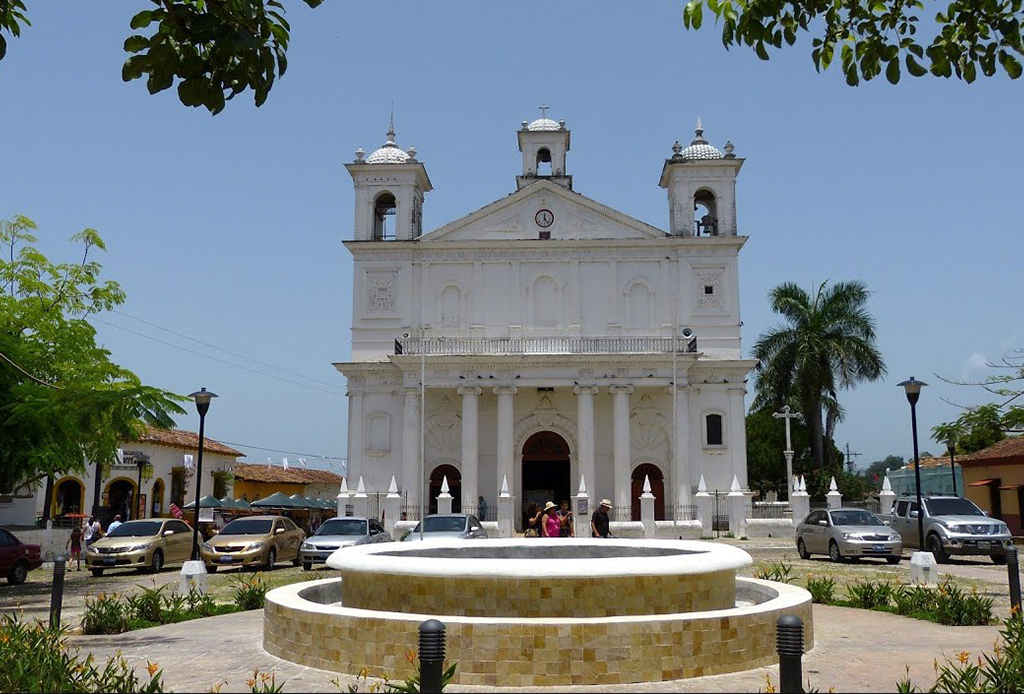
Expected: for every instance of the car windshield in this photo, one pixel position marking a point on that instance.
(854, 518)
(952, 507)
(443, 524)
(347, 526)
(136, 529)
(247, 526)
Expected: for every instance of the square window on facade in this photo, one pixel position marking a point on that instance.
(709, 289)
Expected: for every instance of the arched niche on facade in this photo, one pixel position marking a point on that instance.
(657, 478)
(378, 434)
(545, 303)
(705, 212)
(640, 309)
(156, 504)
(450, 470)
(385, 208)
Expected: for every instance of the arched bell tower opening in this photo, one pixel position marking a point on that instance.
(546, 470)
(544, 144)
(705, 213)
(384, 210)
(543, 162)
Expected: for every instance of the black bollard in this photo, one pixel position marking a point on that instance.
(789, 642)
(431, 656)
(57, 592)
(1013, 572)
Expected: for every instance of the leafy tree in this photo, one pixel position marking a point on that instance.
(876, 471)
(826, 343)
(874, 35)
(215, 49)
(62, 401)
(980, 426)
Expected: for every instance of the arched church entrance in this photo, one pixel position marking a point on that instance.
(545, 470)
(454, 486)
(120, 500)
(657, 489)
(68, 497)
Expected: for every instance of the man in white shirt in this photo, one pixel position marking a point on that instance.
(114, 525)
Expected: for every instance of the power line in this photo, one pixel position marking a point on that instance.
(218, 359)
(278, 450)
(221, 349)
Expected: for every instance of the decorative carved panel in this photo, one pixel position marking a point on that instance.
(380, 292)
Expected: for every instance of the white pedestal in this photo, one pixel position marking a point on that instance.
(647, 515)
(885, 502)
(737, 514)
(705, 511)
(193, 575)
(923, 568)
(800, 502)
(581, 511)
(834, 500)
(506, 522)
(444, 503)
(392, 506)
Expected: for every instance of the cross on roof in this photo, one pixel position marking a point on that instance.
(543, 110)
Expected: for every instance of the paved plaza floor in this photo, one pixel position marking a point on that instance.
(856, 651)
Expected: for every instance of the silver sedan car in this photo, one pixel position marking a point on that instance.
(337, 533)
(451, 526)
(847, 533)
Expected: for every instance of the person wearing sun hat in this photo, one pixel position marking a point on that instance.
(599, 520)
(550, 524)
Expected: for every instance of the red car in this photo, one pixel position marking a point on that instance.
(17, 558)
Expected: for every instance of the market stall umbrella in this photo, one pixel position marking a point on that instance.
(275, 500)
(206, 502)
(242, 504)
(227, 503)
(302, 502)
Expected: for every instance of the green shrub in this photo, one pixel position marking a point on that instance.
(868, 595)
(105, 614)
(778, 571)
(822, 590)
(147, 606)
(910, 600)
(953, 607)
(251, 592)
(199, 604)
(34, 658)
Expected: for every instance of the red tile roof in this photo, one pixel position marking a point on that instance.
(188, 440)
(294, 475)
(931, 461)
(1011, 447)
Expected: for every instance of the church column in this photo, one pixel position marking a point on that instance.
(354, 464)
(585, 435)
(506, 456)
(738, 432)
(470, 448)
(411, 446)
(620, 428)
(681, 450)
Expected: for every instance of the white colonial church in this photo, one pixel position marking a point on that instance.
(557, 338)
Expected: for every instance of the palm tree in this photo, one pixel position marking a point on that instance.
(826, 343)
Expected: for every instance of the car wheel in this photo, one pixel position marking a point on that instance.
(297, 560)
(97, 572)
(18, 574)
(271, 560)
(934, 545)
(211, 568)
(801, 549)
(893, 560)
(157, 563)
(307, 566)
(998, 559)
(833, 552)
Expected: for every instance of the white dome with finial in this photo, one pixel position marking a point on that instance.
(699, 147)
(544, 123)
(389, 152)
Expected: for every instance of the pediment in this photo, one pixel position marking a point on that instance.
(514, 218)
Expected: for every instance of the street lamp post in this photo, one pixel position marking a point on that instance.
(141, 462)
(202, 398)
(912, 387)
(951, 447)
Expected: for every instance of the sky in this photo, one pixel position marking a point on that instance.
(225, 231)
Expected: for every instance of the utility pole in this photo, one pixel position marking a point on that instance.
(849, 458)
(787, 414)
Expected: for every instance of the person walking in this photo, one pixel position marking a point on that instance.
(551, 524)
(533, 518)
(75, 543)
(599, 520)
(92, 532)
(482, 505)
(565, 516)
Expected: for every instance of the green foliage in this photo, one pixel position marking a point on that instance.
(107, 613)
(62, 401)
(822, 590)
(876, 36)
(251, 592)
(115, 614)
(215, 50)
(411, 685)
(34, 658)
(946, 603)
(869, 595)
(264, 683)
(778, 571)
(911, 600)
(981, 426)
(826, 344)
(876, 471)
(953, 607)
(147, 606)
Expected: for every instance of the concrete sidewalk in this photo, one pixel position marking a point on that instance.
(857, 651)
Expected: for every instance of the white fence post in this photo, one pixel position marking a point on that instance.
(800, 501)
(647, 509)
(506, 508)
(886, 497)
(834, 498)
(361, 502)
(444, 499)
(581, 510)
(737, 509)
(343, 495)
(705, 508)
(392, 507)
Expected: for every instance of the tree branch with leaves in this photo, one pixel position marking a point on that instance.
(980, 426)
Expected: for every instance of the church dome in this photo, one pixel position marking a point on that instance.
(389, 153)
(699, 148)
(544, 124)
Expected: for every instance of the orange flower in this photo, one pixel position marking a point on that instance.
(963, 657)
(410, 655)
(152, 668)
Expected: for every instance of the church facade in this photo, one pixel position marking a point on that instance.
(546, 338)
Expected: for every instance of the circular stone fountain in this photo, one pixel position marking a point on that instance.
(533, 612)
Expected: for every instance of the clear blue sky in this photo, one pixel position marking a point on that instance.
(229, 228)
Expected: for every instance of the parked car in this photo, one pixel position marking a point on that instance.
(952, 526)
(847, 533)
(256, 541)
(459, 526)
(340, 532)
(140, 544)
(17, 558)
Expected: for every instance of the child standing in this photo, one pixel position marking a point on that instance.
(75, 543)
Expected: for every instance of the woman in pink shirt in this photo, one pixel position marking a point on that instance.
(551, 524)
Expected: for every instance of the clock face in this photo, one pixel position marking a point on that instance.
(544, 218)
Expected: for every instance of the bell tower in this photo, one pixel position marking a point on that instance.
(701, 185)
(389, 189)
(544, 144)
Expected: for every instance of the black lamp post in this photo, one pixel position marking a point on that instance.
(202, 398)
(913, 390)
(951, 447)
(142, 462)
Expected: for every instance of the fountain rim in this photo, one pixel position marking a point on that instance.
(703, 557)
